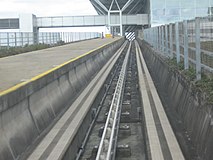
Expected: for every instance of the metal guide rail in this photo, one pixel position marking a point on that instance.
(107, 146)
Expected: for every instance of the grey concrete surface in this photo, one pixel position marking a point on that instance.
(54, 148)
(160, 148)
(186, 107)
(18, 68)
(29, 110)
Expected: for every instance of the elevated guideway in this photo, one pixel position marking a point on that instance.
(66, 96)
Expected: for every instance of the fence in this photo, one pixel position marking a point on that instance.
(15, 39)
(190, 41)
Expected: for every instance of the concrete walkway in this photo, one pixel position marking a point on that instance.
(20, 68)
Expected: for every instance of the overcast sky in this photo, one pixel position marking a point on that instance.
(42, 8)
(48, 7)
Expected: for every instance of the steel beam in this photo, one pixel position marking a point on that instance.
(101, 5)
(127, 5)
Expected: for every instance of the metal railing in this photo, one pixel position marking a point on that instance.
(190, 41)
(107, 146)
(21, 39)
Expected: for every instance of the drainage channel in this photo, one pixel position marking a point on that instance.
(117, 132)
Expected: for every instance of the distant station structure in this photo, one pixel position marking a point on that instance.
(121, 17)
(123, 7)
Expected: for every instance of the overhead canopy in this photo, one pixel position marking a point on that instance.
(124, 7)
(129, 6)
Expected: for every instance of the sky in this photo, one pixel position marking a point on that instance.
(48, 7)
(43, 8)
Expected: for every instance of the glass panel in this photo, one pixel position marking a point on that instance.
(167, 11)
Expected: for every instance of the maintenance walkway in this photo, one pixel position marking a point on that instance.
(21, 68)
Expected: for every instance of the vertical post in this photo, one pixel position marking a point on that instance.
(36, 36)
(155, 37)
(109, 22)
(159, 39)
(167, 46)
(171, 40)
(177, 42)
(50, 38)
(28, 38)
(162, 28)
(72, 36)
(152, 35)
(186, 45)
(64, 38)
(42, 37)
(47, 38)
(198, 60)
(148, 36)
(8, 40)
(22, 39)
(53, 35)
(121, 24)
(15, 39)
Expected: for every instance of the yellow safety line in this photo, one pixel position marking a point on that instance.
(49, 71)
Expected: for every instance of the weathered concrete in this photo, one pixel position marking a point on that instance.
(189, 113)
(29, 109)
(22, 67)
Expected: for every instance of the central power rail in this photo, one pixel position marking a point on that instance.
(107, 147)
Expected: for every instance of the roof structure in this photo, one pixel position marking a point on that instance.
(122, 7)
(128, 6)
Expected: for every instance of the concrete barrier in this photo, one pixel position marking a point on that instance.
(28, 110)
(190, 115)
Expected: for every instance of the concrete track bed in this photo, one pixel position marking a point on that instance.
(187, 108)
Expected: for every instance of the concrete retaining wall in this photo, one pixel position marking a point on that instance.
(186, 107)
(27, 111)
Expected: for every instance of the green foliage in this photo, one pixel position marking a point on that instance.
(173, 64)
(205, 84)
(190, 74)
(4, 52)
(60, 42)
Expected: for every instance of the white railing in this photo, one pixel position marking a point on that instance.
(21, 39)
(190, 41)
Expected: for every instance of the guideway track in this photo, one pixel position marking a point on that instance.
(107, 147)
(58, 140)
(162, 142)
(155, 139)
